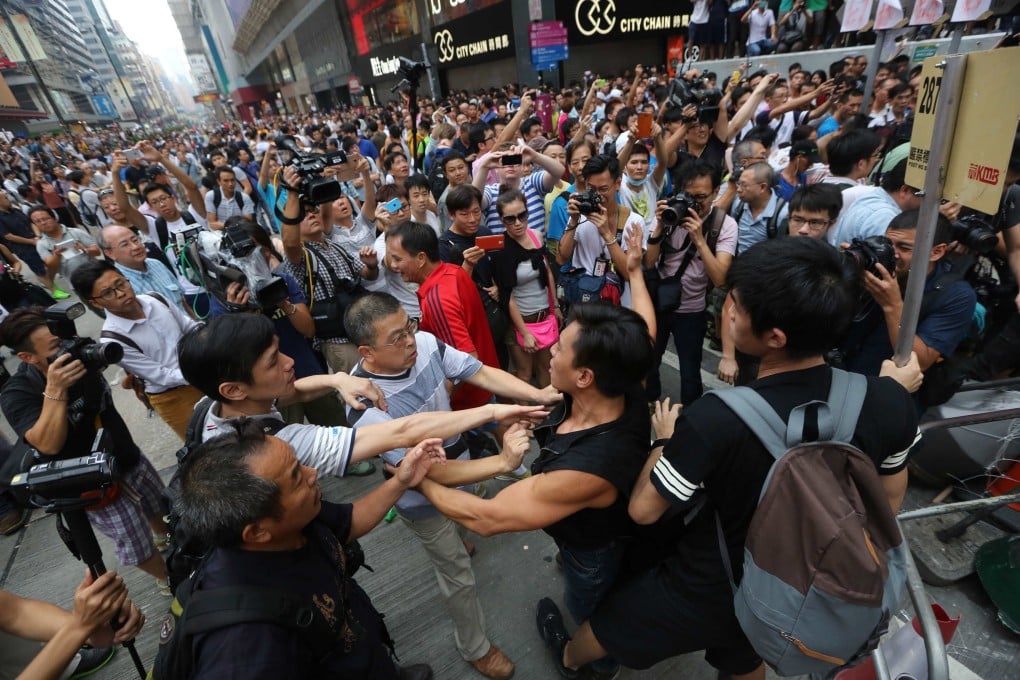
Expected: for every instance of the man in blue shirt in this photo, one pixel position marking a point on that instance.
(946, 311)
(145, 274)
(756, 205)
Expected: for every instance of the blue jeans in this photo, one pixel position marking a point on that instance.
(761, 47)
(688, 331)
(587, 577)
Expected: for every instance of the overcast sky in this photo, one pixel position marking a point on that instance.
(152, 27)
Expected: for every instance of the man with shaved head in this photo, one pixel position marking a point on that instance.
(146, 275)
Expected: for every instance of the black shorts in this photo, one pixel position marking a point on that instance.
(651, 618)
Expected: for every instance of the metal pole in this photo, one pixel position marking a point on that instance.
(962, 506)
(953, 69)
(970, 419)
(954, 40)
(934, 645)
(32, 67)
(869, 75)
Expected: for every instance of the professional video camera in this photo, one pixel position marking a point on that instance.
(676, 208)
(410, 73)
(587, 202)
(975, 232)
(65, 480)
(96, 356)
(863, 254)
(314, 187)
(683, 92)
(232, 256)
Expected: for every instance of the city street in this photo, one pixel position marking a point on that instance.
(513, 570)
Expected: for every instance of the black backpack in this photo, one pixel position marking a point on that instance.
(195, 610)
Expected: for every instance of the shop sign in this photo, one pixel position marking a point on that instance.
(482, 36)
(599, 20)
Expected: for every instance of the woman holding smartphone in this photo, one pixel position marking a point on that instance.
(526, 291)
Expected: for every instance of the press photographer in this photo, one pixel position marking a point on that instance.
(147, 327)
(329, 277)
(56, 402)
(947, 307)
(690, 248)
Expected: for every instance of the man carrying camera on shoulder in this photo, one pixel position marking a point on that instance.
(57, 402)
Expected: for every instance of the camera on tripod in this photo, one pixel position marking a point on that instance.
(64, 480)
(315, 188)
(96, 356)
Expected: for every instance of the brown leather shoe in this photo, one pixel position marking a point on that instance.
(495, 664)
(12, 520)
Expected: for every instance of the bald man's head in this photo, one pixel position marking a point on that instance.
(124, 246)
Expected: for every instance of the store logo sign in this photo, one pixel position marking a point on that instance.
(595, 17)
(444, 42)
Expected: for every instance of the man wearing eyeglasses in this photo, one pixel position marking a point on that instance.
(128, 251)
(698, 250)
(412, 368)
(148, 328)
(758, 208)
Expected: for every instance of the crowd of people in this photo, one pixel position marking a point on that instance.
(463, 277)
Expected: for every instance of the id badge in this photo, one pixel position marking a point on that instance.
(601, 266)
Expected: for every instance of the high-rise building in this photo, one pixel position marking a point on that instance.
(66, 75)
(96, 28)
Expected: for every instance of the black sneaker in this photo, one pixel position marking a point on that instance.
(554, 634)
(92, 660)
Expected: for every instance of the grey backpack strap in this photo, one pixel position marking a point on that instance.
(846, 402)
(761, 418)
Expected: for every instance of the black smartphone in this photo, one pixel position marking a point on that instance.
(511, 159)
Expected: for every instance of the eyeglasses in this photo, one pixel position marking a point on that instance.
(701, 198)
(510, 220)
(133, 241)
(401, 337)
(813, 225)
(113, 291)
(747, 185)
(489, 139)
(160, 200)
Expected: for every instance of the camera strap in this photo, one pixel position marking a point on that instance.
(314, 268)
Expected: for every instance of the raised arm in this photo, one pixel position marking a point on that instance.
(131, 214)
(750, 106)
(191, 190)
(509, 132)
(290, 234)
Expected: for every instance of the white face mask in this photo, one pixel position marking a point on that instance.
(636, 182)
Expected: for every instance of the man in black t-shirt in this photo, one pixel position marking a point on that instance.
(592, 449)
(790, 302)
(246, 494)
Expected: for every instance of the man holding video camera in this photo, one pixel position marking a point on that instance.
(58, 401)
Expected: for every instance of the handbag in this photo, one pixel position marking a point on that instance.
(328, 315)
(545, 331)
(499, 322)
(667, 293)
(791, 37)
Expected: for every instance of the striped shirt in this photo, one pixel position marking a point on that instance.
(155, 278)
(533, 188)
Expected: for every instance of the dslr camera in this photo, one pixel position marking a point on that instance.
(864, 253)
(96, 356)
(232, 256)
(683, 92)
(975, 232)
(676, 208)
(315, 188)
(587, 202)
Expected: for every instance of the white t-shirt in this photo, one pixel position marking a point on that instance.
(760, 22)
(642, 200)
(327, 449)
(393, 283)
(588, 246)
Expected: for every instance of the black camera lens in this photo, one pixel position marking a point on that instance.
(676, 210)
(864, 254)
(100, 355)
(974, 232)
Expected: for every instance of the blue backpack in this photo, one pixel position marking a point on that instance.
(824, 560)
